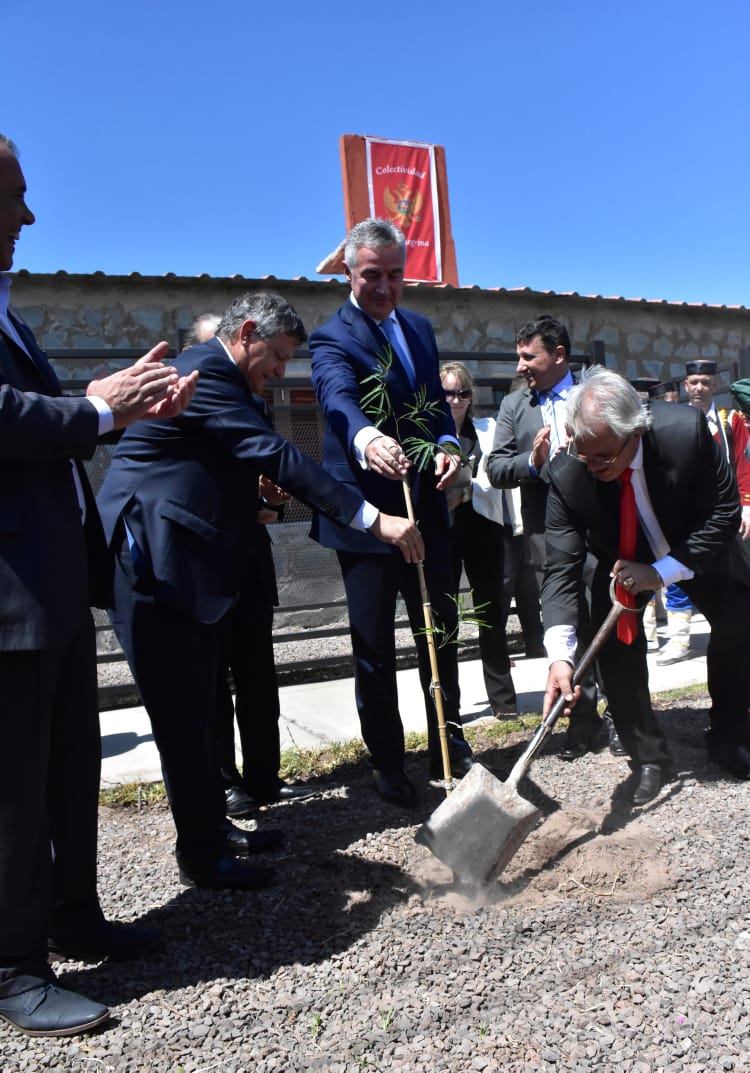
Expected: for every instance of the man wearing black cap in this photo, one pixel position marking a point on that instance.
(666, 391)
(730, 432)
(727, 427)
(644, 385)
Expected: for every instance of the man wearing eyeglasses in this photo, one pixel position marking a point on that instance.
(651, 474)
(529, 433)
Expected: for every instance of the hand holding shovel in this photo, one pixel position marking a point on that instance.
(480, 828)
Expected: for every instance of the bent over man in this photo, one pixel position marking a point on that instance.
(179, 505)
(681, 522)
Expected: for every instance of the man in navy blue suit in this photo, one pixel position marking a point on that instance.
(367, 455)
(179, 506)
(53, 566)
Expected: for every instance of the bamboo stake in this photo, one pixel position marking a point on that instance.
(435, 689)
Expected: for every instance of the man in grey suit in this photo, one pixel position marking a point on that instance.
(530, 431)
(685, 518)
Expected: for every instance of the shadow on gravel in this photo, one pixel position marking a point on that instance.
(328, 892)
(348, 863)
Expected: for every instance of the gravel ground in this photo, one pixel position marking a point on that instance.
(614, 941)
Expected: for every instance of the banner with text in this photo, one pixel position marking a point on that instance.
(403, 189)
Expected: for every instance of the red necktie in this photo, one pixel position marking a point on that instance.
(627, 624)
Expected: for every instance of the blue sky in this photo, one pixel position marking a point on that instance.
(597, 147)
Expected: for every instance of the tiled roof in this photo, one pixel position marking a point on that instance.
(303, 280)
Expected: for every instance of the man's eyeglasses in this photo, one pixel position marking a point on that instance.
(597, 460)
(464, 393)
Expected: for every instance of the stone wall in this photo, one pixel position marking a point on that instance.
(641, 338)
(96, 313)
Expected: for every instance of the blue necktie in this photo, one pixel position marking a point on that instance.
(389, 330)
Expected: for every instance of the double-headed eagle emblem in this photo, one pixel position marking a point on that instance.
(402, 205)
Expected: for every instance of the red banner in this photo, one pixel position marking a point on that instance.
(403, 189)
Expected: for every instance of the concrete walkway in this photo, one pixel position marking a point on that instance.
(318, 713)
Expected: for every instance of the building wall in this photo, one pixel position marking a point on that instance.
(96, 313)
(641, 338)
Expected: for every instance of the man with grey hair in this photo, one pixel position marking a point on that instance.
(179, 506)
(646, 489)
(53, 566)
(363, 446)
(250, 630)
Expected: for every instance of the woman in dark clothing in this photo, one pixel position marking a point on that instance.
(477, 536)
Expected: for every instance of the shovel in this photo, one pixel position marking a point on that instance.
(481, 826)
(435, 690)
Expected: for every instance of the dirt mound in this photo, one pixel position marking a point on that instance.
(568, 856)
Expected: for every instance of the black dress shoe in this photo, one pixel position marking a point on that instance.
(239, 805)
(573, 750)
(460, 766)
(225, 873)
(651, 778)
(285, 792)
(245, 843)
(505, 713)
(461, 759)
(44, 1009)
(615, 745)
(104, 939)
(394, 787)
(732, 756)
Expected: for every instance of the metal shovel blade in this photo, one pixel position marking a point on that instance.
(482, 824)
(480, 827)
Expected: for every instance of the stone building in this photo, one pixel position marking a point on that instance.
(89, 323)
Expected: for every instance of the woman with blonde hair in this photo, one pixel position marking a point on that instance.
(477, 535)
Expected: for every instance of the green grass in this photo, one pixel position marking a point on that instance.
(307, 764)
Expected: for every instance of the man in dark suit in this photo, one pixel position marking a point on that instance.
(529, 432)
(248, 653)
(685, 516)
(53, 565)
(363, 447)
(179, 506)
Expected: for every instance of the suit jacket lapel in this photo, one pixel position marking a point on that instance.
(374, 340)
(37, 357)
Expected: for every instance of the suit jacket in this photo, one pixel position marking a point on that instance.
(345, 352)
(518, 421)
(187, 488)
(51, 566)
(693, 494)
